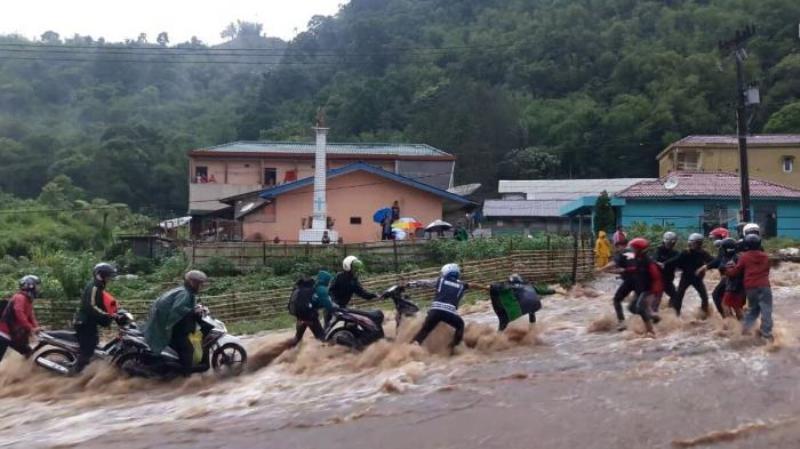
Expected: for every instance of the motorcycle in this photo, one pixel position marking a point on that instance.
(357, 329)
(63, 348)
(222, 352)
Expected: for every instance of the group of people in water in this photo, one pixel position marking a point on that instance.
(743, 264)
(744, 277)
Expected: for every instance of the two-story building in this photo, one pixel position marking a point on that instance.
(771, 157)
(238, 169)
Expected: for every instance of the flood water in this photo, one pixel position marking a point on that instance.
(569, 381)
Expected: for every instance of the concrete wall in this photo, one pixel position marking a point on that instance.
(357, 194)
(765, 163)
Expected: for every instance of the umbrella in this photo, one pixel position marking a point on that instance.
(381, 214)
(407, 224)
(399, 235)
(438, 225)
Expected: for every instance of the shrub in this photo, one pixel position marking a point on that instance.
(219, 266)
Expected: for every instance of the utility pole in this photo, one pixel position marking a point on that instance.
(743, 99)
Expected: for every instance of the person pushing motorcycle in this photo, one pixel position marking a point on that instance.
(173, 318)
(346, 284)
(17, 320)
(92, 313)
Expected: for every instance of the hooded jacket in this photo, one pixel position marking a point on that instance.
(602, 250)
(321, 298)
(167, 311)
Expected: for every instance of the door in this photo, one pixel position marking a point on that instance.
(766, 215)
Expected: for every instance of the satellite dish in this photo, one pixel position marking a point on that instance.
(671, 183)
(247, 207)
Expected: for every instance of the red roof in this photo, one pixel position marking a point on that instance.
(705, 185)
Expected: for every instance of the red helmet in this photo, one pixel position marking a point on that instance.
(639, 244)
(719, 234)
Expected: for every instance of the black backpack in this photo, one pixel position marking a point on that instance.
(301, 297)
(529, 301)
(5, 311)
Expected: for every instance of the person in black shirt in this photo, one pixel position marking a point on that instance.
(623, 263)
(689, 262)
(665, 257)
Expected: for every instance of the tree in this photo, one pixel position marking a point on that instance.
(142, 39)
(163, 39)
(786, 120)
(530, 163)
(603, 214)
(60, 192)
(51, 38)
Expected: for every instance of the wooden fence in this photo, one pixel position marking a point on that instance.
(537, 266)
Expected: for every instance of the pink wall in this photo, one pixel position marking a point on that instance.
(249, 171)
(357, 194)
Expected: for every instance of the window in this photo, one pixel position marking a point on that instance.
(201, 174)
(688, 160)
(788, 164)
(270, 177)
(355, 220)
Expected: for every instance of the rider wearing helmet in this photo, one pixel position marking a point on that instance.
(754, 266)
(92, 313)
(444, 308)
(622, 262)
(717, 235)
(17, 320)
(346, 284)
(173, 318)
(648, 284)
(689, 262)
(733, 298)
(666, 256)
(512, 299)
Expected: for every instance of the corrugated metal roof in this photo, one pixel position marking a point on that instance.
(523, 208)
(755, 139)
(706, 185)
(566, 189)
(388, 149)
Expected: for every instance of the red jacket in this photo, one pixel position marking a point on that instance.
(21, 317)
(656, 281)
(755, 266)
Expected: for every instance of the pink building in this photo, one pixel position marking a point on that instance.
(354, 193)
(417, 176)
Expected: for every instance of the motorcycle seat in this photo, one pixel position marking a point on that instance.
(64, 335)
(374, 315)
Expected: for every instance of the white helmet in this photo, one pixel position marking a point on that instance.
(670, 236)
(349, 262)
(751, 228)
(695, 238)
(451, 270)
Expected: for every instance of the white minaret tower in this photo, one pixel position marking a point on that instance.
(320, 207)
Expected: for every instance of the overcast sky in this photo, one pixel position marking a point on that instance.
(116, 20)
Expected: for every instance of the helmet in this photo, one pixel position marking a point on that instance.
(670, 237)
(752, 241)
(515, 279)
(352, 263)
(696, 238)
(718, 234)
(195, 276)
(728, 244)
(751, 228)
(105, 271)
(639, 244)
(451, 271)
(30, 283)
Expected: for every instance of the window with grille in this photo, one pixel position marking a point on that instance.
(788, 164)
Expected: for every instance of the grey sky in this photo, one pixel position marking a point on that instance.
(116, 20)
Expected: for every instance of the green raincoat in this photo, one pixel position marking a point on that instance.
(166, 312)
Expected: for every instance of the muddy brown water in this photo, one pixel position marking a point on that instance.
(570, 381)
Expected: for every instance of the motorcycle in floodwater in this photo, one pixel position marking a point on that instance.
(222, 352)
(357, 329)
(62, 348)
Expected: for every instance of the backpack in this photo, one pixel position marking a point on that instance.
(301, 297)
(528, 299)
(4, 303)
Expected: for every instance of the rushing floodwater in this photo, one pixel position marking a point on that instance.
(570, 381)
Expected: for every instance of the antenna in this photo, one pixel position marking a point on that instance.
(671, 183)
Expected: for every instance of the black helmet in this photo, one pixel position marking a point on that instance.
(752, 241)
(105, 271)
(728, 244)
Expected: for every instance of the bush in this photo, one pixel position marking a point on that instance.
(133, 264)
(219, 266)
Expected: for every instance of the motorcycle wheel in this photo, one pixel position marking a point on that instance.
(229, 360)
(129, 365)
(344, 337)
(54, 360)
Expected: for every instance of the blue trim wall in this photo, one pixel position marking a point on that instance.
(686, 215)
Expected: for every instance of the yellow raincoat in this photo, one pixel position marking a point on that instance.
(602, 250)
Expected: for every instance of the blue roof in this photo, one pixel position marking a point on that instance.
(361, 166)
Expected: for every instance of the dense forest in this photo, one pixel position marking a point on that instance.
(515, 88)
